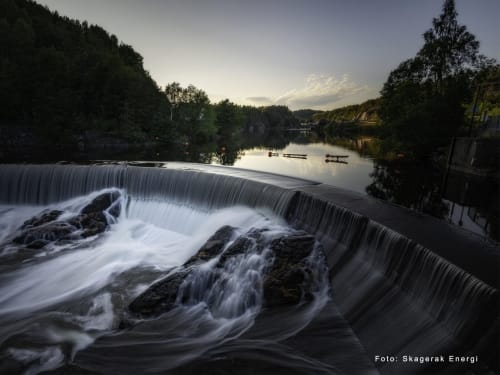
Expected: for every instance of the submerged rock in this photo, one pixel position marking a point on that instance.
(106, 201)
(159, 297)
(213, 247)
(44, 218)
(287, 279)
(239, 246)
(39, 236)
(43, 229)
(90, 224)
(162, 295)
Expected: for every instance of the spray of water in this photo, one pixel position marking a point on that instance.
(57, 301)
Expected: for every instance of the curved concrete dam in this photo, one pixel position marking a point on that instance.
(401, 293)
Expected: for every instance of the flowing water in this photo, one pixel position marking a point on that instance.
(63, 304)
(63, 308)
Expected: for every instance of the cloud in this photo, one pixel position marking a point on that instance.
(319, 92)
(260, 100)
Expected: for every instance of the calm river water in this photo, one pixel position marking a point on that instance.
(352, 172)
(466, 201)
(461, 200)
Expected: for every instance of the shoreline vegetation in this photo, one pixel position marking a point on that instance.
(65, 82)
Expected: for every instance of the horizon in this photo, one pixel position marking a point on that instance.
(282, 53)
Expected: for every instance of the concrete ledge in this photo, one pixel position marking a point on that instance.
(470, 252)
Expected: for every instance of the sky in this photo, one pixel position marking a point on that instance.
(319, 54)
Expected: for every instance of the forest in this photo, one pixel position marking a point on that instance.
(63, 81)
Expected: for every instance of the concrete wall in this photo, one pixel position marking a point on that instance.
(476, 156)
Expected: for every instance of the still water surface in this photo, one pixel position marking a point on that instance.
(352, 173)
(463, 200)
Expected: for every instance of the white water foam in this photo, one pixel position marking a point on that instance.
(84, 286)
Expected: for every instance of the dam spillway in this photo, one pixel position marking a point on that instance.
(400, 284)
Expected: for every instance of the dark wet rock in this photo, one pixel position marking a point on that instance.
(90, 224)
(252, 240)
(92, 220)
(44, 218)
(104, 202)
(41, 230)
(293, 248)
(46, 233)
(213, 247)
(287, 281)
(37, 244)
(240, 246)
(159, 297)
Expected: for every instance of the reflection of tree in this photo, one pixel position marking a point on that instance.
(228, 156)
(416, 186)
(481, 197)
(226, 152)
(364, 146)
(273, 142)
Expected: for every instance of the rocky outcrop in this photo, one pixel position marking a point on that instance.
(43, 229)
(44, 218)
(162, 295)
(286, 281)
(289, 279)
(159, 297)
(212, 247)
(38, 237)
(102, 203)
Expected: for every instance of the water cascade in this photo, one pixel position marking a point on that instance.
(372, 291)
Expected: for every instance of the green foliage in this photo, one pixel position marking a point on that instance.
(229, 119)
(273, 120)
(191, 112)
(306, 115)
(66, 79)
(487, 84)
(366, 111)
(422, 103)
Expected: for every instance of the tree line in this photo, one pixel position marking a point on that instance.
(65, 80)
(425, 99)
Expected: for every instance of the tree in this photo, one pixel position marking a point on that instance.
(62, 80)
(449, 49)
(228, 119)
(191, 112)
(423, 99)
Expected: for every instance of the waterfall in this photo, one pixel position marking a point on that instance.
(398, 297)
(380, 278)
(44, 184)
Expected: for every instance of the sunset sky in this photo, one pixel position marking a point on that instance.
(319, 54)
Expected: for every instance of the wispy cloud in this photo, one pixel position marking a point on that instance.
(319, 92)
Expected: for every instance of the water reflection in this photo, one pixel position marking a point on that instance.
(309, 161)
(410, 184)
(355, 164)
(474, 203)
